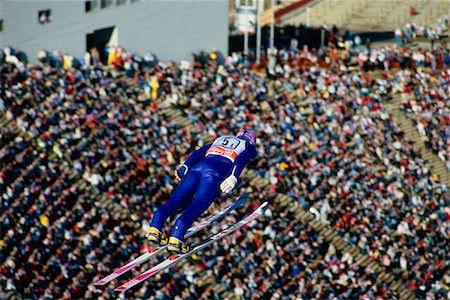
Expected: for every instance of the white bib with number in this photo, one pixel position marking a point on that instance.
(227, 146)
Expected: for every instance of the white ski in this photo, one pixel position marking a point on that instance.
(173, 259)
(154, 251)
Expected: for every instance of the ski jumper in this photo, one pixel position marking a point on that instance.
(207, 168)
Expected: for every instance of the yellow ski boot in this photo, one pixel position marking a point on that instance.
(156, 237)
(175, 246)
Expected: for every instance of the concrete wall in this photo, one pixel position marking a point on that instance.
(170, 29)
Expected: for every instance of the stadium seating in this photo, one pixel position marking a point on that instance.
(368, 15)
(101, 159)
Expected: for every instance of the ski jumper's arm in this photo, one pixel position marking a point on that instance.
(243, 159)
(197, 156)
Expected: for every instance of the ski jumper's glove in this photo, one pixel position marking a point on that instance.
(181, 172)
(228, 184)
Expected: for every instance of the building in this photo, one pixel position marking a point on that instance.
(172, 30)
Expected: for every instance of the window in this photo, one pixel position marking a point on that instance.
(97, 5)
(1, 25)
(91, 5)
(105, 3)
(45, 16)
(88, 6)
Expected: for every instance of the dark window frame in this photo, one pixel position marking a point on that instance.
(45, 16)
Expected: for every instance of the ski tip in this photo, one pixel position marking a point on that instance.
(264, 206)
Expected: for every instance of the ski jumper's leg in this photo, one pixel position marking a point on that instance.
(179, 199)
(206, 193)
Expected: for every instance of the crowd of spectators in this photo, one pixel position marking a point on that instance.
(340, 153)
(72, 179)
(411, 31)
(97, 158)
(347, 55)
(118, 57)
(392, 57)
(283, 259)
(426, 101)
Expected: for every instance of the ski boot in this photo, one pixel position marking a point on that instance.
(175, 246)
(156, 237)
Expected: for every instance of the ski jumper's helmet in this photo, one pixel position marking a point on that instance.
(247, 135)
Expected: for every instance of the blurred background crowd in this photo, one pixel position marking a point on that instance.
(88, 154)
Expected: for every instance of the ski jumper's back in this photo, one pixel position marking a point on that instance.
(227, 155)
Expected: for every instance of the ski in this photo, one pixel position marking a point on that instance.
(173, 259)
(154, 251)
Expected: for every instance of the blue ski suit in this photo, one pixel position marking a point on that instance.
(207, 168)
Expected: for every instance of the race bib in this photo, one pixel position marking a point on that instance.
(227, 146)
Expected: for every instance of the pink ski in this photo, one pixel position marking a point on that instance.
(154, 251)
(173, 259)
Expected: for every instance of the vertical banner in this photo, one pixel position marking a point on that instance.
(246, 19)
